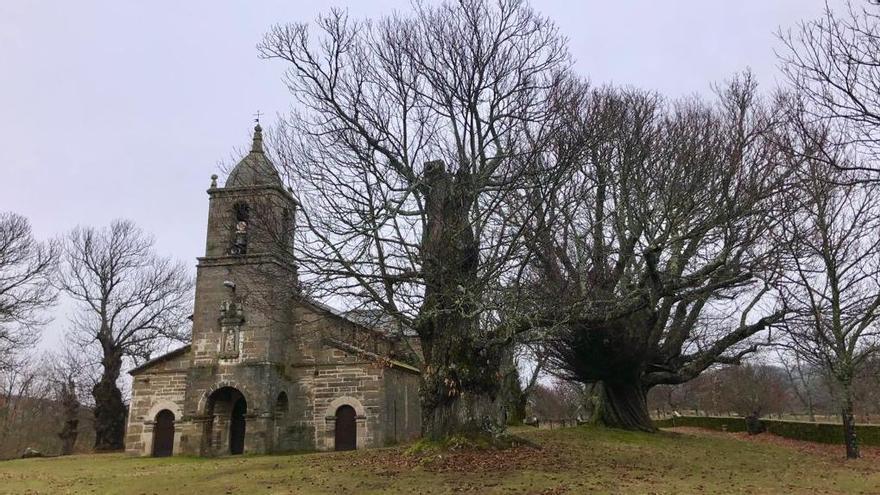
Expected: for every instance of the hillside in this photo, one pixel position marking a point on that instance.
(573, 460)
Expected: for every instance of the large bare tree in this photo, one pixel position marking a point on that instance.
(131, 303)
(411, 132)
(651, 261)
(833, 279)
(26, 267)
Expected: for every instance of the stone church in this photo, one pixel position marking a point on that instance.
(268, 369)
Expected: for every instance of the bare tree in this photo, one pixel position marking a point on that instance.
(69, 374)
(24, 393)
(522, 366)
(751, 388)
(412, 134)
(25, 289)
(866, 388)
(652, 260)
(801, 378)
(833, 62)
(833, 283)
(132, 302)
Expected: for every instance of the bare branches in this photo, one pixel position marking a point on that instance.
(652, 255)
(25, 289)
(130, 298)
(462, 83)
(414, 140)
(833, 63)
(834, 276)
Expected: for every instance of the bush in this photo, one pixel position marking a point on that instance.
(798, 430)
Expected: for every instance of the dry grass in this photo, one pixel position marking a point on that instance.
(571, 461)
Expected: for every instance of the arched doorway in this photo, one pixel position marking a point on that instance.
(346, 428)
(163, 434)
(237, 427)
(225, 431)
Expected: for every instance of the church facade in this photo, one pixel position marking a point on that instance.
(268, 369)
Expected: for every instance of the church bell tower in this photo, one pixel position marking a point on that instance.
(244, 287)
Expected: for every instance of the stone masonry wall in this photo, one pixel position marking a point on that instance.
(161, 386)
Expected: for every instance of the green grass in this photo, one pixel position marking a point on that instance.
(573, 460)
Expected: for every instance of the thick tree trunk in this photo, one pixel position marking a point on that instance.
(467, 414)
(109, 408)
(460, 387)
(625, 405)
(461, 379)
(849, 428)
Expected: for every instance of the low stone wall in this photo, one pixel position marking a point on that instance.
(798, 430)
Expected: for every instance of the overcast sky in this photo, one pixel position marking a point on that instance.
(124, 109)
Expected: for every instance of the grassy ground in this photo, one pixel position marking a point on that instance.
(573, 460)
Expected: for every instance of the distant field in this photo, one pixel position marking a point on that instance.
(573, 460)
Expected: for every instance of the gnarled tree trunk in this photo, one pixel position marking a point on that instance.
(461, 376)
(109, 408)
(625, 405)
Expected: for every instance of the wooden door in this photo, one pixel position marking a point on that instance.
(237, 427)
(346, 428)
(163, 434)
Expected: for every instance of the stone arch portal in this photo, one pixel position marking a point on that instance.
(226, 428)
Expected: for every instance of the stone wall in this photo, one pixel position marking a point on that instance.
(357, 385)
(330, 377)
(160, 386)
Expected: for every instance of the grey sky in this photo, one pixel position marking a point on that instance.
(125, 108)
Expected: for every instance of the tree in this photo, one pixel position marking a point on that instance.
(413, 133)
(833, 62)
(132, 302)
(68, 374)
(527, 355)
(22, 392)
(833, 280)
(750, 388)
(26, 267)
(651, 261)
(802, 379)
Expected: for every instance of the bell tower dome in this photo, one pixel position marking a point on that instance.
(254, 169)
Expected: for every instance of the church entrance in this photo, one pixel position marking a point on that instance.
(237, 427)
(346, 428)
(163, 434)
(225, 409)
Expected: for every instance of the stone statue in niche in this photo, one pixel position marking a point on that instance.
(231, 319)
